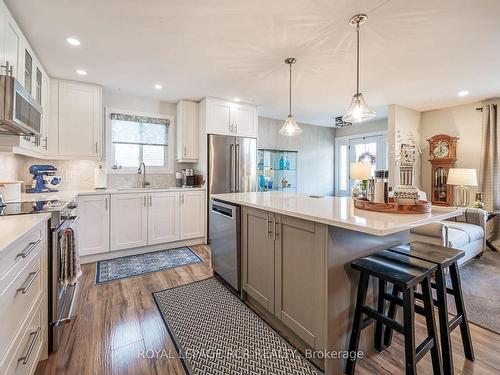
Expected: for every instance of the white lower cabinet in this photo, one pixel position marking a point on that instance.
(120, 221)
(192, 214)
(163, 214)
(129, 221)
(23, 302)
(93, 224)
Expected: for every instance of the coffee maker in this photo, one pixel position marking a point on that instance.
(188, 177)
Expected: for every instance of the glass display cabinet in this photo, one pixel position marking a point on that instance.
(277, 170)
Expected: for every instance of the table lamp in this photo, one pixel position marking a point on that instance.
(360, 172)
(463, 178)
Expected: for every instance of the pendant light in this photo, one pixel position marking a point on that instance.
(358, 110)
(290, 127)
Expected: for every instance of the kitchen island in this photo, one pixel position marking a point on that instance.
(295, 264)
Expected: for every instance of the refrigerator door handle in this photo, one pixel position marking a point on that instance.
(232, 169)
(237, 169)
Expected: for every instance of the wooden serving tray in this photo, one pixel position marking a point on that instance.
(422, 207)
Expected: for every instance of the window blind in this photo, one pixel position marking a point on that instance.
(140, 130)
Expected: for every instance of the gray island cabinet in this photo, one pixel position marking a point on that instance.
(295, 266)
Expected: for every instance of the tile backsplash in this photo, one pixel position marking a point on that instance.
(75, 174)
(79, 174)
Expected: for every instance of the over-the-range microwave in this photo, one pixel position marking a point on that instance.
(20, 113)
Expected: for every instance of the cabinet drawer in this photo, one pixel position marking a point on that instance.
(19, 252)
(22, 356)
(20, 290)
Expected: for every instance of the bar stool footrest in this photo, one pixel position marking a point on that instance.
(373, 314)
(455, 322)
(423, 348)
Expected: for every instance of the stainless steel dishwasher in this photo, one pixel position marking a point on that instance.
(225, 242)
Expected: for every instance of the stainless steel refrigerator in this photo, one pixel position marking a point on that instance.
(232, 168)
(232, 164)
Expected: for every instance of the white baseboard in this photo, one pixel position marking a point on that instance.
(140, 250)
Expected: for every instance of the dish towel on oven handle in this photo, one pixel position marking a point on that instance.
(69, 269)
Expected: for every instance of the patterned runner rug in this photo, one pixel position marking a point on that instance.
(216, 333)
(133, 265)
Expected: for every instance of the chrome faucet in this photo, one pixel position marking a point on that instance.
(144, 183)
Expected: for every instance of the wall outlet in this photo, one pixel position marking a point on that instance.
(68, 175)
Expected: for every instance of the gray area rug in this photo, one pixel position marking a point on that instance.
(481, 291)
(216, 333)
(133, 265)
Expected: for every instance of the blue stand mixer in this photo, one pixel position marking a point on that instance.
(43, 175)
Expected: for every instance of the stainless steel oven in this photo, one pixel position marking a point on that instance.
(62, 297)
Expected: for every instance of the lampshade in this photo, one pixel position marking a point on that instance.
(462, 176)
(290, 127)
(360, 171)
(358, 110)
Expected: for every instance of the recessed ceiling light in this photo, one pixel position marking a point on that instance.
(73, 41)
(237, 99)
(463, 93)
(81, 72)
(158, 86)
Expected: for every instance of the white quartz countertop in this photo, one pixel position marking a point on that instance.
(15, 226)
(336, 211)
(68, 195)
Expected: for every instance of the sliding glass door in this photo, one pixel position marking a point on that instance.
(369, 149)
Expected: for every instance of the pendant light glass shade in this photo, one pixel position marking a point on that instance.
(290, 127)
(358, 110)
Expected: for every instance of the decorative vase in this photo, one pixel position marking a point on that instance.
(405, 192)
(479, 201)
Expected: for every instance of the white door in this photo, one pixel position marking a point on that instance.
(93, 224)
(192, 214)
(369, 149)
(163, 217)
(79, 119)
(243, 119)
(219, 117)
(129, 221)
(11, 48)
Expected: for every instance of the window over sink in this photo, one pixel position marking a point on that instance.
(135, 138)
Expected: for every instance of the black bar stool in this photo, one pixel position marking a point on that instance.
(443, 257)
(405, 272)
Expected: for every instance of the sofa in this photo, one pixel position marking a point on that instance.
(465, 232)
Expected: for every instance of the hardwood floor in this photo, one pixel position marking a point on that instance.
(118, 321)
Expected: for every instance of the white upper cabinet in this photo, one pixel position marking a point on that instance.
(163, 214)
(244, 120)
(11, 46)
(16, 52)
(76, 113)
(187, 131)
(192, 214)
(228, 118)
(93, 225)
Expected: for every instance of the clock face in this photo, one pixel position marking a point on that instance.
(441, 149)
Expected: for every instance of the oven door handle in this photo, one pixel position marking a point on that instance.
(69, 317)
(72, 221)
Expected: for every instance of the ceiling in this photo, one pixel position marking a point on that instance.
(414, 53)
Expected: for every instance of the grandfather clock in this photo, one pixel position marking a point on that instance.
(442, 155)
